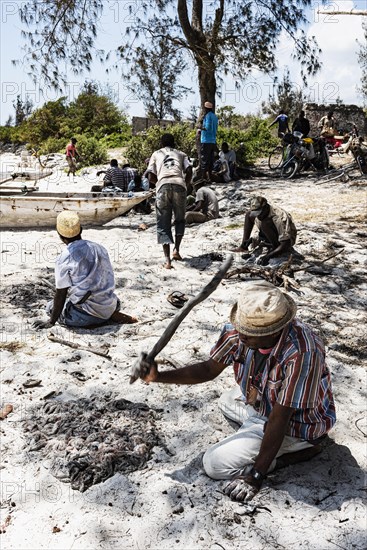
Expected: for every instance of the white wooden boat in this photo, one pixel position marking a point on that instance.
(38, 209)
(25, 174)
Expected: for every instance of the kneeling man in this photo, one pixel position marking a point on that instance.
(283, 401)
(85, 282)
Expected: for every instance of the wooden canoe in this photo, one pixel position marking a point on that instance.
(25, 174)
(39, 209)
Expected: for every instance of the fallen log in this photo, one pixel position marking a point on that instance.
(180, 316)
(77, 346)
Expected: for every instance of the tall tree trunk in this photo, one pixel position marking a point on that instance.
(198, 45)
(207, 81)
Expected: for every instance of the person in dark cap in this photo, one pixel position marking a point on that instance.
(283, 400)
(276, 229)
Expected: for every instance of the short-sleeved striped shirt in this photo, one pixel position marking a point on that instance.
(120, 177)
(295, 376)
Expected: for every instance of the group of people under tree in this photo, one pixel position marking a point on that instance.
(282, 401)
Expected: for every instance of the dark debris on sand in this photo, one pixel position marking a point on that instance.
(90, 440)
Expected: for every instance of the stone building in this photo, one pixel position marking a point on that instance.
(344, 115)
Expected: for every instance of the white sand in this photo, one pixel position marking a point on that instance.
(171, 503)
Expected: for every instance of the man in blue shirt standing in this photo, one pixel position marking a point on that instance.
(208, 140)
(282, 121)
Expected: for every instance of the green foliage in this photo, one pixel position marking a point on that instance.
(253, 142)
(91, 115)
(53, 145)
(43, 123)
(259, 140)
(117, 139)
(91, 151)
(142, 146)
(228, 118)
(94, 114)
(6, 134)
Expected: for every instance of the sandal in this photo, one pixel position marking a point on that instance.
(177, 298)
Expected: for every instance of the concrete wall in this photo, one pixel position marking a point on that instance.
(141, 124)
(345, 116)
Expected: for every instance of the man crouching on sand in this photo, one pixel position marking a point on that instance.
(85, 282)
(283, 402)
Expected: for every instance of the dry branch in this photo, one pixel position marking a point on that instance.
(281, 275)
(75, 345)
(276, 275)
(316, 264)
(350, 12)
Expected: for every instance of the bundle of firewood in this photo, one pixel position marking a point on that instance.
(282, 275)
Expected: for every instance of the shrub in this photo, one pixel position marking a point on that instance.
(6, 134)
(257, 140)
(117, 139)
(143, 145)
(53, 145)
(91, 151)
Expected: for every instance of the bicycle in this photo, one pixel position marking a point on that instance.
(277, 157)
(343, 172)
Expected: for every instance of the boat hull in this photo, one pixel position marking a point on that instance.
(41, 210)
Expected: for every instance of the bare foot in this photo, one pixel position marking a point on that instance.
(167, 265)
(7, 409)
(176, 256)
(239, 249)
(122, 318)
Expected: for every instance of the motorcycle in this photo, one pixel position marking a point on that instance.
(303, 154)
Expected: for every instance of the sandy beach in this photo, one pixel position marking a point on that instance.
(168, 502)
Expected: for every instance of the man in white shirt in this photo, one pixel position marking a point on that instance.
(220, 173)
(170, 169)
(84, 280)
(230, 156)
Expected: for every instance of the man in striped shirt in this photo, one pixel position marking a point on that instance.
(117, 177)
(283, 402)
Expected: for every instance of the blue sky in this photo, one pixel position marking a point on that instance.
(336, 36)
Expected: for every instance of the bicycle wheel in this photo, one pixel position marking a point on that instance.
(276, 157)
(290, 168)
(333, 175)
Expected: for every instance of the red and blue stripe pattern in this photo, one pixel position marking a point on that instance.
(295, 375)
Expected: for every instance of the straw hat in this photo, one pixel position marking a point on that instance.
(68, 224)
(262, 309)
(208, 105)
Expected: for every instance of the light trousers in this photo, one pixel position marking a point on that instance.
(238, 452)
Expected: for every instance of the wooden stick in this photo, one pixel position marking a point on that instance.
(180, 316)
(318, 263)
(74, 345)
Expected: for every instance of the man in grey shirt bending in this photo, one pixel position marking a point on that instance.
(205, 207)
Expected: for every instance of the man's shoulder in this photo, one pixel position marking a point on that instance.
(304, 339)
(278, 211)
